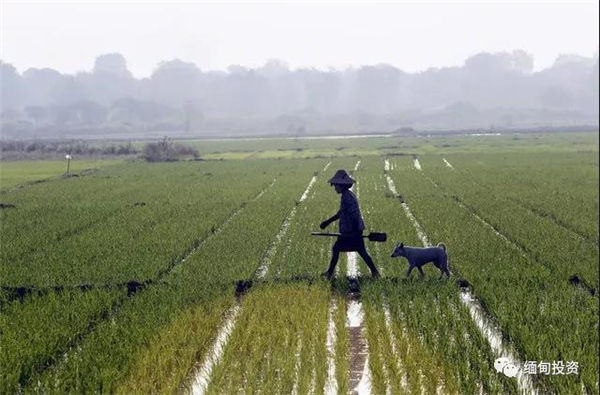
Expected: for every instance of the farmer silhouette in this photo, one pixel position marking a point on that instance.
(351, 224)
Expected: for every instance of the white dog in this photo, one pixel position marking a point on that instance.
(418, 257)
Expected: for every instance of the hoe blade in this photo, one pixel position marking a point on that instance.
(375, 236)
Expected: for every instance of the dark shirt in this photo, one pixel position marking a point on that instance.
(350, 218)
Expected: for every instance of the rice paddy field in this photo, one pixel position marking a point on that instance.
(202, 276)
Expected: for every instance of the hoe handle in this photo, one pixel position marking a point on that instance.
(373, 236)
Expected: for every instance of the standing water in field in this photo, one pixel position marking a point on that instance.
(360, 374)
(494, 336)
(417, 164)
(394, 345)
(331, 386)
(305, 194)
(202, 379)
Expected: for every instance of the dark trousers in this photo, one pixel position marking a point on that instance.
(349, 244)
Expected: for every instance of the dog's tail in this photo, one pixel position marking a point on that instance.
(442, 245)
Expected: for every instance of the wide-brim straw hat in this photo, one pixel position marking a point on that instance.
(342, 178)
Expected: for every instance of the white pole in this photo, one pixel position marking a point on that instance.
(68, 157)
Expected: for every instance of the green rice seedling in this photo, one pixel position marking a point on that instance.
(44, 329)
(342, 345)
(533, 309)
(137, 221)
(172, 352)
(40, 330)
(427, 308)
(560, 185)
(138, 242)
(279, 342)
(209, 273)
(540, 237)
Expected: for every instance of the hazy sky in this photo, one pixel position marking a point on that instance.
(412, 36)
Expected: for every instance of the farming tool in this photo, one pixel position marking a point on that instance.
(373, 236)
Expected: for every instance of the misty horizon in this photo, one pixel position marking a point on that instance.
(296, 68)
(489, 90)
(560, 57)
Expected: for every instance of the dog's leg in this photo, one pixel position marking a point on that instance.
(442, 270)
(444, 267)
(410, 268)
(421, 271)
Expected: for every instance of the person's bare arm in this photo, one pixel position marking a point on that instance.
(326, 223)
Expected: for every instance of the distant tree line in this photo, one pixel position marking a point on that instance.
(66, 147)
(163, 150)
(490, 89)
